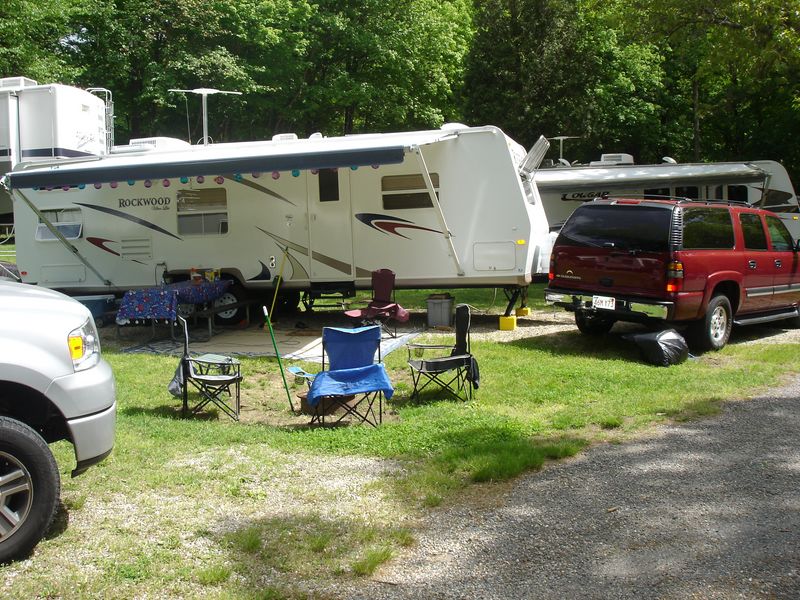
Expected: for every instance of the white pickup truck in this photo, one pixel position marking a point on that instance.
(54, 385)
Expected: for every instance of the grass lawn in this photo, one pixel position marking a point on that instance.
(269, 508)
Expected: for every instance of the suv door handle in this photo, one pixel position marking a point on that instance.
(751, 264)
(778, 263)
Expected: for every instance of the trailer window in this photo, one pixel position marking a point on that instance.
(328, 185)
(67, 221)
(407, 191)
(687, 192)
(202, 212)
(737, 193)
(656, 193)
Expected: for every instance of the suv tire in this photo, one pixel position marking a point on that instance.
(593, 324)
(712, 331)
(29, 488)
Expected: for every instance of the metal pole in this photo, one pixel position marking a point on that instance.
(205, 119)
(278, 355)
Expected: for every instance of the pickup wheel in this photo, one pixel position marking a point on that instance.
(29, 488)
(712, 331)
(593, 324)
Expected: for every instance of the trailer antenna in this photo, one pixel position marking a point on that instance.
(561, 139)
(204, 93)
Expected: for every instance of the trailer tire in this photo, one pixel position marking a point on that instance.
(235, 294)
(29, 498)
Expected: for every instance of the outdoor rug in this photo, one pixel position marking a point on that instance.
(293, 343)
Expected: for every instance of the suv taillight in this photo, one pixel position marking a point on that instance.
(551, 274)
(674, 276)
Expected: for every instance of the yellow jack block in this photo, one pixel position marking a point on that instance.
(508, 323)
(523, 311)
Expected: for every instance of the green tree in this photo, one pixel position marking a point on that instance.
(32, 40)
(556, 67)
(736, 66)
(385, 64)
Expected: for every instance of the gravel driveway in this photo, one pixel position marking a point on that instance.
(708, 509)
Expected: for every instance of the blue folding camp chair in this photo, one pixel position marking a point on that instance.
(352, 380)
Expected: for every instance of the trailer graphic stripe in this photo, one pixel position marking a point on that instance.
(101, 243)
(259, 188)
(127, 217)
(333, 263)
(389, 225)
(297, 268)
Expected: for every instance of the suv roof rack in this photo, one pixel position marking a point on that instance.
(677, 199)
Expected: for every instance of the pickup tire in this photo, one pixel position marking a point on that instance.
(593, 324)
(29, 488)
(712, 331)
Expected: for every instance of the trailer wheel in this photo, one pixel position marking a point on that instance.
(592, 324)
(235, 294)
(29, 488)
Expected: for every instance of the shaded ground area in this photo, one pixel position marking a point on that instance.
(709, 509)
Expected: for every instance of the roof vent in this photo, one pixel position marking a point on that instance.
(17, 82)
(284, 137)
(613, 159)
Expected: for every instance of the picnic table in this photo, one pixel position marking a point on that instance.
(160, 303)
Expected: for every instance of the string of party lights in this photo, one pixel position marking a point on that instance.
(219, 179)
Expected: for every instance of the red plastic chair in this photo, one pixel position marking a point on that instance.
(382, 308)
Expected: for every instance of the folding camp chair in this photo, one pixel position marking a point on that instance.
(352, 381)
(457, 373)
(213, 376)
(382, 308)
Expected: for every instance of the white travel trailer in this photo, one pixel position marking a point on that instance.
(763, 183)
(445, 208)
(47, 122)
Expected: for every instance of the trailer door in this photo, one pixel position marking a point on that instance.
(330, 226)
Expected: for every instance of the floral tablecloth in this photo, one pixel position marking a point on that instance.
(161, 303)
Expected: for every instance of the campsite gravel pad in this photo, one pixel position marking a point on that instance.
(708, 509)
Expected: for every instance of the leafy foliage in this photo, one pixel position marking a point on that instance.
(694, 79)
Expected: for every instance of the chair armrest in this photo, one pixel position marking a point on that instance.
(299, 373)
(419, 349)
(432, 346)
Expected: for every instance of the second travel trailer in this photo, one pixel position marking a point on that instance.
(762, 183)
(453, 207)
(49, 122)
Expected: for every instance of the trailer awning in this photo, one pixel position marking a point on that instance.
(196, 163)
(637, 177)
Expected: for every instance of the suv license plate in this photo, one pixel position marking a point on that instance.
(604, 302)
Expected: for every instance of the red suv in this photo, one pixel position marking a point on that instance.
(706, 264)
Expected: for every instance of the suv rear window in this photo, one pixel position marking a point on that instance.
(634, 227)
(707, 229)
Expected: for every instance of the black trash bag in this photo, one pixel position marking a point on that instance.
(661, 348)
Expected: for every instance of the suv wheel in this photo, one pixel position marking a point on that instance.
(712, 332)
(593, 324)
(29, 488)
